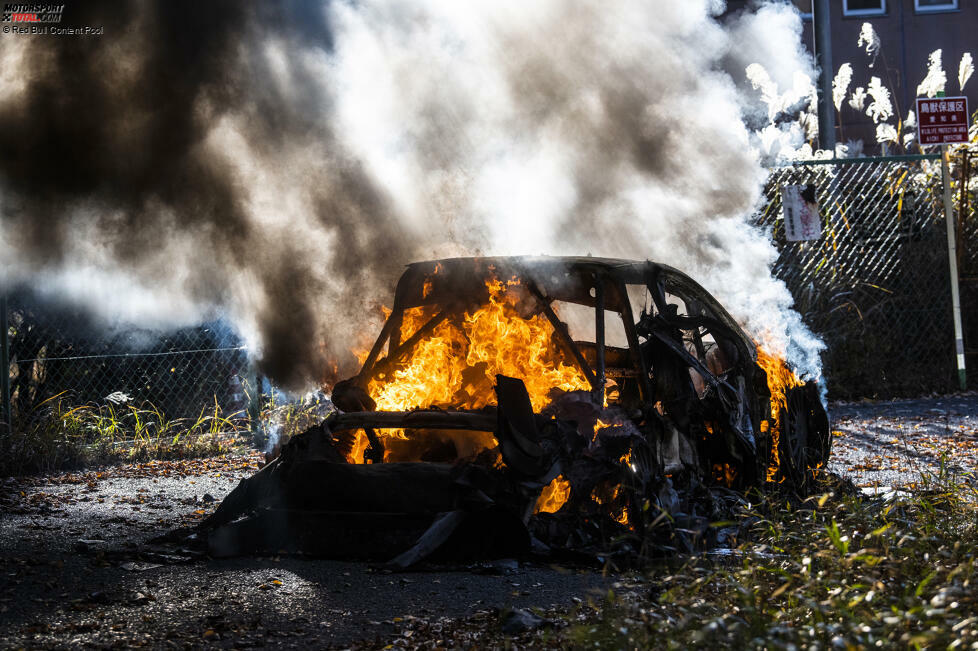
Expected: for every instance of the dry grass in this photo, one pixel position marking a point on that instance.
(58, 436)
(839, 571)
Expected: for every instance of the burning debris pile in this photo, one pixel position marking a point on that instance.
(546, 404)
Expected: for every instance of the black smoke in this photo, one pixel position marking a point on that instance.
(279, 162)
(108, 140)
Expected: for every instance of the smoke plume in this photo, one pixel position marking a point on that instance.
(280, 163)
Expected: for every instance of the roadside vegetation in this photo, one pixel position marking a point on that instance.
(838, 570)
(57, 435)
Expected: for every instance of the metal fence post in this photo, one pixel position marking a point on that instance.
(254, 404)
(5, 411)
(952, 254)
(823, 56)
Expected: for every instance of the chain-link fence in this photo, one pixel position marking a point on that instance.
(55, 351)
(967, 207)
(966, 203)
(875, 285)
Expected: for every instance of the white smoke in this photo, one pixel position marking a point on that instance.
(565, 128)
(427, 128)
(777, 94)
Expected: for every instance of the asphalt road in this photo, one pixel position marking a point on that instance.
(75, 572)
(899, 444)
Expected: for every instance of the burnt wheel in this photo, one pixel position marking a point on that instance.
(805, 440)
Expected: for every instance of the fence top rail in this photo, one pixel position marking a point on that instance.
(116, 355)
(853, 161)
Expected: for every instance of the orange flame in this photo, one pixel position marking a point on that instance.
(429, 283)
(455, 366)
(622, 516)
(600, 424)
(553, 496)
(779, 379)
(360, 445)
(725, 473)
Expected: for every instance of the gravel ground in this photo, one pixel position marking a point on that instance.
(76, 569)
(896, 444)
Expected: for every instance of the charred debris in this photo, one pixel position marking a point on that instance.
(515, 406)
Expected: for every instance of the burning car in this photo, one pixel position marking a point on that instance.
(535, 403)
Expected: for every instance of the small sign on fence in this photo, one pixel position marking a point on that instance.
(802, 220)
(942, 120)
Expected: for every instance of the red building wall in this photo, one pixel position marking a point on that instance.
(907, 38)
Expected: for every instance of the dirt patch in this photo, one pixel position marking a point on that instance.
(898, 443)
(78, 571)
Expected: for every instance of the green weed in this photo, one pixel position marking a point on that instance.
(56, 435)
(848, 572)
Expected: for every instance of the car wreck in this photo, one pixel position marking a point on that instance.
(547, 405)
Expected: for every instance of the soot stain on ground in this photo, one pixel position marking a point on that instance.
(71, 574)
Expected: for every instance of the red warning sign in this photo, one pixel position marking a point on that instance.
(942, 120)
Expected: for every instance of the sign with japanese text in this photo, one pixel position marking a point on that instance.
(942, 120)
(802, 220)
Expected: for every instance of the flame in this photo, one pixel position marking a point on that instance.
(598, 426)
(724, 473)
(779, 379)
(455, 366)
(429, 281)
(596, 495)
(360, 444)
(361, 353)
(553, 496)
(621, 517)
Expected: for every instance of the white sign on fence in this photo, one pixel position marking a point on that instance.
(802, 220)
